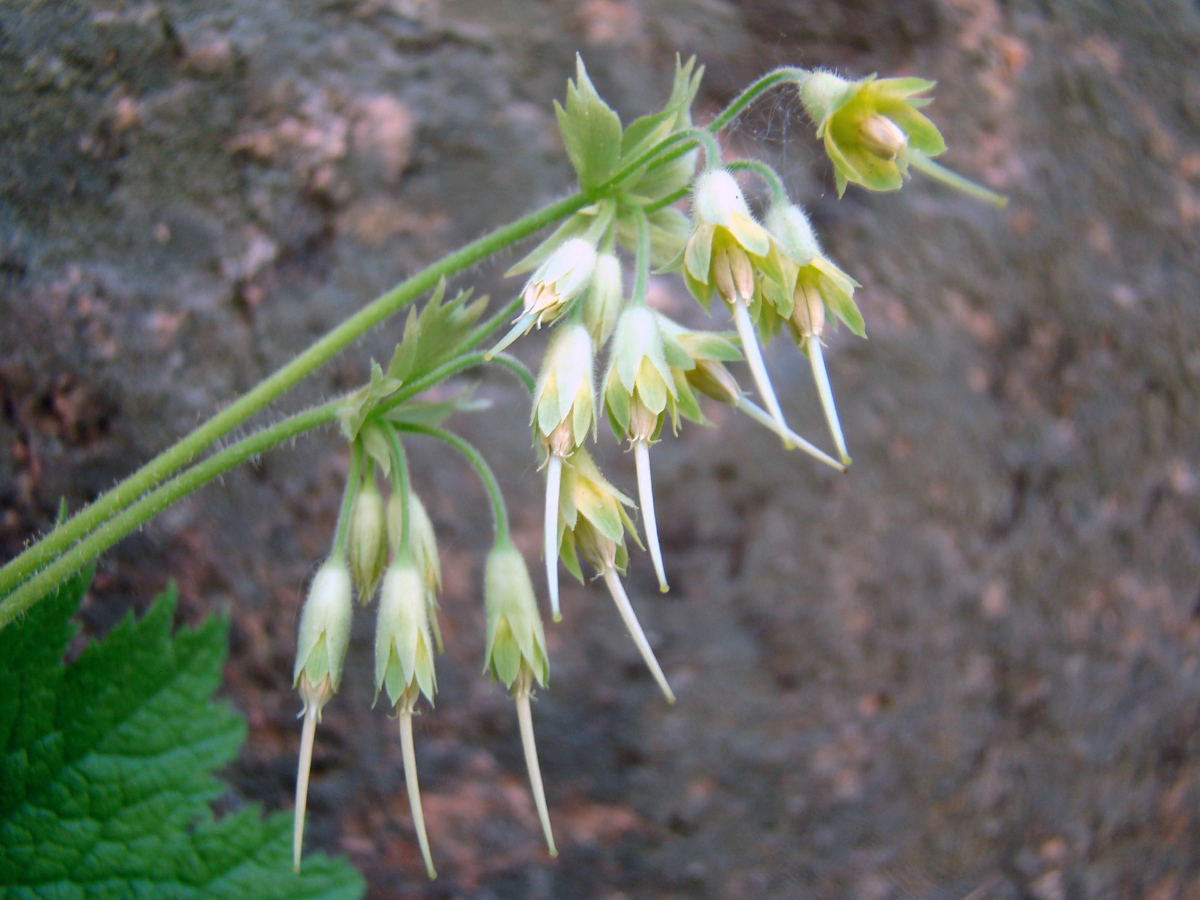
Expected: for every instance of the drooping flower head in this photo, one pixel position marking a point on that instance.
(719, 255)
(564, 398)
(871, 126)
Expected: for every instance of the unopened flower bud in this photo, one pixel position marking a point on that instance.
(325, 626)
(602, 302)
(717, 197)
(793, 233)
(366, 542)
(881, 136)
(808, 312)
(514, 626)
(403, 642)
(643, 424)
(712, 379)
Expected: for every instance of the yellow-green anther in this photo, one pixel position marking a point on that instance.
(366, 542)
(881, 136)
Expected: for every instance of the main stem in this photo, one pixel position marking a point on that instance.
(288, 376)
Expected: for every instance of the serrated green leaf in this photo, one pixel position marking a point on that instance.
(432, 336)
(354, 409)
(591, 130)
(106, 769)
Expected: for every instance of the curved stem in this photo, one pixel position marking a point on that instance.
(641, 262)
(663, 202)
(821, 376)
(741, 318)
(414, 788)
(479, 333)
(475, 458)
(156, 501)
(348, 495)
(641, 453)
(789, 437)
(617, 590)
(307, 736)
(521, 692)
(766, 173)
(752, 93)
(282, 380)
(550, 531)
(953, 180)
(453, 367)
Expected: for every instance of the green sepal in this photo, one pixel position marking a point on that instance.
(591, 130)
(568, 553)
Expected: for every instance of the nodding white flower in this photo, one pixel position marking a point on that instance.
(725, 241)
(320, 655)
(404, 667)
(516, 652)
(638, 391)
(808, 284)
(871, 127)
(593, 521)
(563, 414)
(554, 285)
(366, 541)
(422, 544)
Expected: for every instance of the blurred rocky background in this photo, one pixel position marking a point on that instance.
(969, 668)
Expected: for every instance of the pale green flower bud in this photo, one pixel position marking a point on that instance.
(366, 541)
(602, 303)
(403, 642)
(717, 198)
(514, 626)
(726, 242)
(325, 626)
(565, 391)
(793, 233)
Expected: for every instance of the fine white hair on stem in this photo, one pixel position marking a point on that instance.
(641, 453)
(550, 531)
(414, 789)
(758, 369)
(635, 630)
(822, 378)
(521, 693)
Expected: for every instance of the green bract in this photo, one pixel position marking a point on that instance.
(514, 626)
(869, 125)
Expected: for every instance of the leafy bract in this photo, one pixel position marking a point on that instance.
(590, 129)
(106, 769)
(434, 335)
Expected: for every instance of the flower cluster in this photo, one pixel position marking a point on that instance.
(610, 355)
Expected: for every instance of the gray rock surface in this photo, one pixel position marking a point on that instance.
(967, 668)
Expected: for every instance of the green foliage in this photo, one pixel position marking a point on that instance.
(591, 130)
(106, 769)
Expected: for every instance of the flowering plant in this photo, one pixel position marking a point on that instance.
(768, 273)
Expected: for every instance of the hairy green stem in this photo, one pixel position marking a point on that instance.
(475, 458)
(284, 379)
(348, 497)
(641, 263)
(156, 501)
(754, 91)
(401, 483)
(766, 173)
